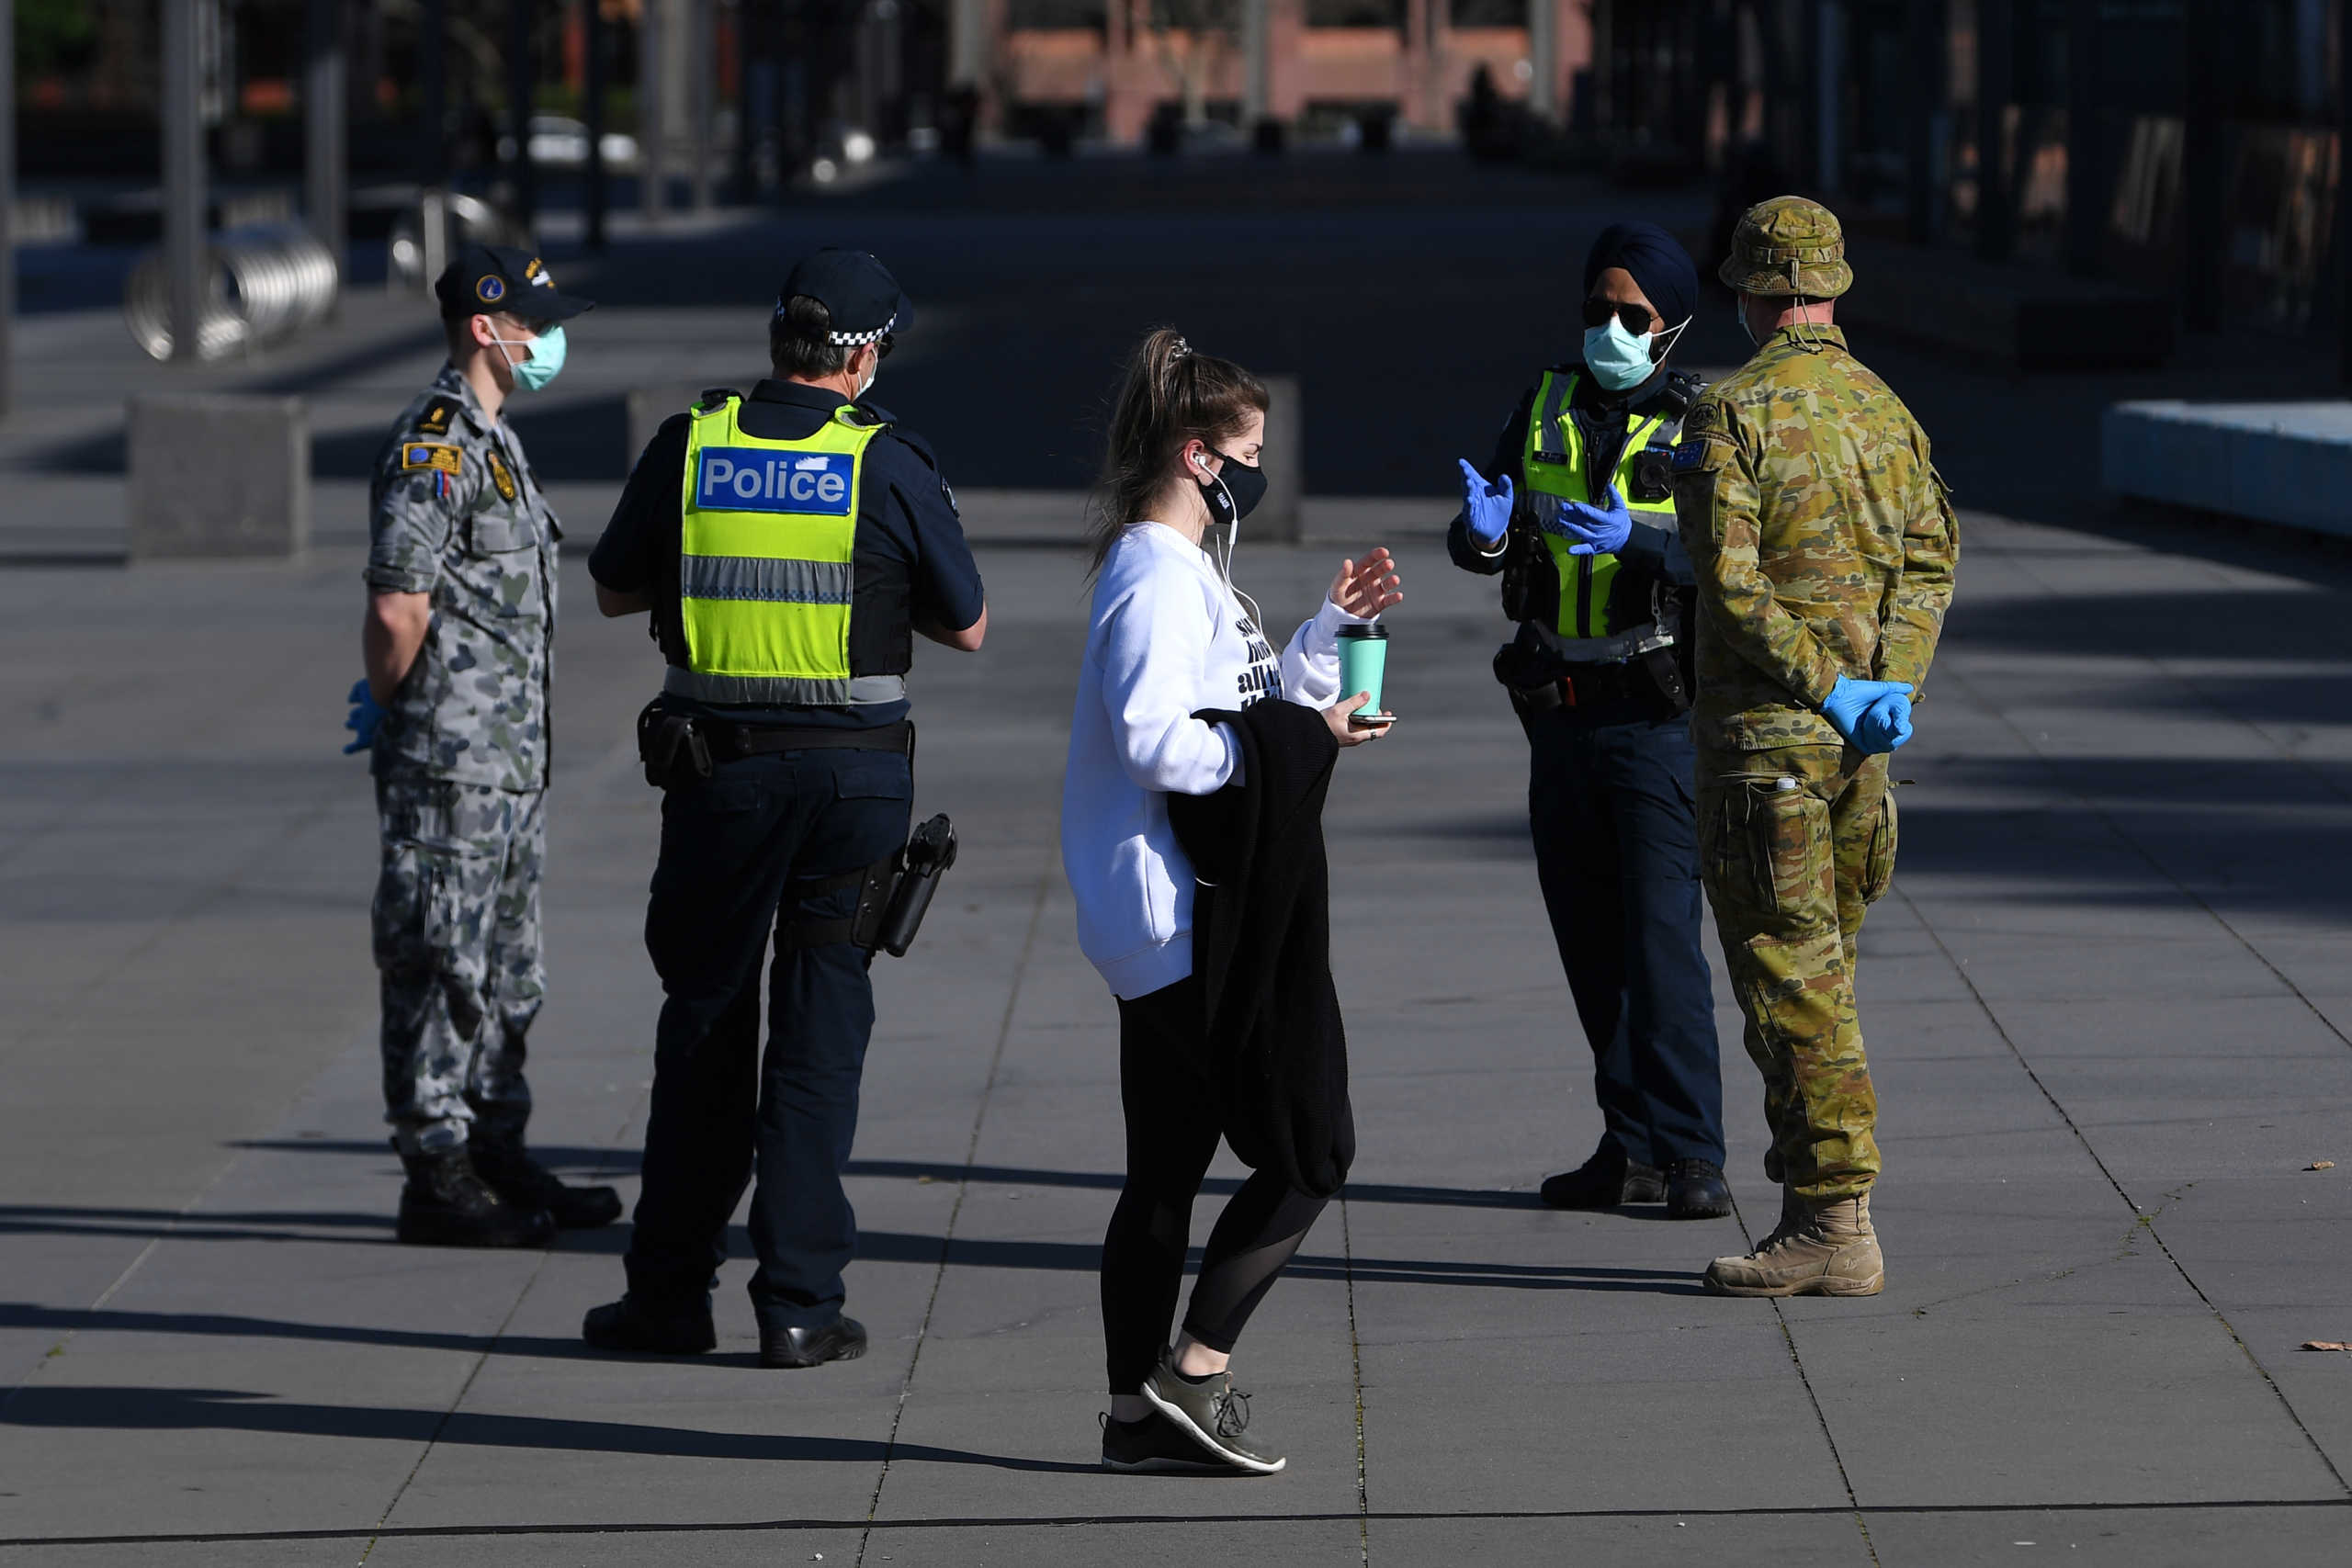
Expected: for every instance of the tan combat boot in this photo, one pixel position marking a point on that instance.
(1816, 1250)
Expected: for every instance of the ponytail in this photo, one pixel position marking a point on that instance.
(1167, 396)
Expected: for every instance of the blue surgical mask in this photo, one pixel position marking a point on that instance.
(546, 360)
(1621, 360)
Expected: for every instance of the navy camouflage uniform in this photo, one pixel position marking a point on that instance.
(460, 763)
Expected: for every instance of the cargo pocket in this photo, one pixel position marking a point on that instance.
(1785, 830)
(1878, 865)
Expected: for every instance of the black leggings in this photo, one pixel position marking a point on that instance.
(1172, 1133)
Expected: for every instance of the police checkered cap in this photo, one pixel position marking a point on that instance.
(857, 291)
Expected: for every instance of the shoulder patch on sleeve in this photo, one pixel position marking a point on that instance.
(1688, 455)
(1702, 417)
(438, 412)
(416, 455)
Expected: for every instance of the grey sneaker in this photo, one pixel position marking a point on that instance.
(1155, 1446)
(1209, 1412)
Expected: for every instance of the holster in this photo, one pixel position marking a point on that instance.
(893, 895)
(676, 755)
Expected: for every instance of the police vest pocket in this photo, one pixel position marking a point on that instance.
(1878, 866)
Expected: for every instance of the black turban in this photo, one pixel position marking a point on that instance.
(1660, 266)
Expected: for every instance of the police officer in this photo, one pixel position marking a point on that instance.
(1577, 518)
(787, 545)
(458, 642)
(1825, 547)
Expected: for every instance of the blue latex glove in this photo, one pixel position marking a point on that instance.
(1873, 716)
(1598, 530)
(365, 716)
(1486, 508)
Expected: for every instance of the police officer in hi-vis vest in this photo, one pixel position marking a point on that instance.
(1575, 513)
(788, 545)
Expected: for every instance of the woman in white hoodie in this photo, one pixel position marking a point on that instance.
(1168, 637)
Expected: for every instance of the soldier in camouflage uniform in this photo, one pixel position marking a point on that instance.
(1825, 549)
(461, 570)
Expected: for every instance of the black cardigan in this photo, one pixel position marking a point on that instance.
(1262, 947)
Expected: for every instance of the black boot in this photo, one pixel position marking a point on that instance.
(1604, 1181)
(1695, 1189)
(843, 1339)
(517, 1178)
(446, 1203)
(631, 1323)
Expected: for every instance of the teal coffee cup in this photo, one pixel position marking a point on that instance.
(1363, 659)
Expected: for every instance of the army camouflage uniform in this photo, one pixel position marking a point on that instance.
(1825, 545)
(460, 761)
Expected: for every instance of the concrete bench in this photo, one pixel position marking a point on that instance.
(2028, 318)
(2289, 464)
(216, 474)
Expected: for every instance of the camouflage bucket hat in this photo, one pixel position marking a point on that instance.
(1788, 245)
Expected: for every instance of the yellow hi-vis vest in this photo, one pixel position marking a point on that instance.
(765, 573)
(1558, 467)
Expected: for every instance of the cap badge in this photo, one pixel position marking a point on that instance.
(490, 289)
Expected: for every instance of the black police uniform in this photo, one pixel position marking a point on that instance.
(1610, 802)
(763, 846)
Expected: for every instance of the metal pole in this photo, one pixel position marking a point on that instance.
(593, 113)
(702, 93)
(1254, 63)
(1996, 65)
(8, 198)
(183, 193)
(652, 109)
(2086, 141)
(2204, 196)
(521, 88)
(1923, 20)
(2344, 207)
(432, 105)
(324, 161)
(1544, 58)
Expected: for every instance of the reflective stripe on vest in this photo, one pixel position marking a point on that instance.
(765, 573)
(1558, 467)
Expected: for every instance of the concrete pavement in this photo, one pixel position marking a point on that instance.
(2106, 1004)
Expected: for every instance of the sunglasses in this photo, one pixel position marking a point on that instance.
(1639, 319)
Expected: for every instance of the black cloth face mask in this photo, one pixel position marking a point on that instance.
(1232, 494)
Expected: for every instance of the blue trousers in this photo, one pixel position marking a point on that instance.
(749, 847)
(1617, 850)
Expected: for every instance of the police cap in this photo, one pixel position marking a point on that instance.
(857, 291)
(494, 280)
(1788, 246)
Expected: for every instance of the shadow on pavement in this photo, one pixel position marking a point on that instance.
(199, 1409)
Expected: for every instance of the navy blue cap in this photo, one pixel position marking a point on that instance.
(486, 279)
(860, 294)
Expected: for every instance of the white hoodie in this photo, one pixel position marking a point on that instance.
(1165, 640)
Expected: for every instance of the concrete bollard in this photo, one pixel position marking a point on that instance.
(217, 474)
(1282, 455)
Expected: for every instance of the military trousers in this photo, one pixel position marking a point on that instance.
(1610, 802)
(456, 941)
(1796, 843)
(749, 851)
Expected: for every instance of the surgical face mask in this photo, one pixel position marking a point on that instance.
(1739, 314)
(1620, 360)
(545, 360)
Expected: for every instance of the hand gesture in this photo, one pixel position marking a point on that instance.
(1596, 530)
(1486, 508)
(1362, 590)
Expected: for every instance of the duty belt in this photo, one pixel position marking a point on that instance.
(733, 742)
